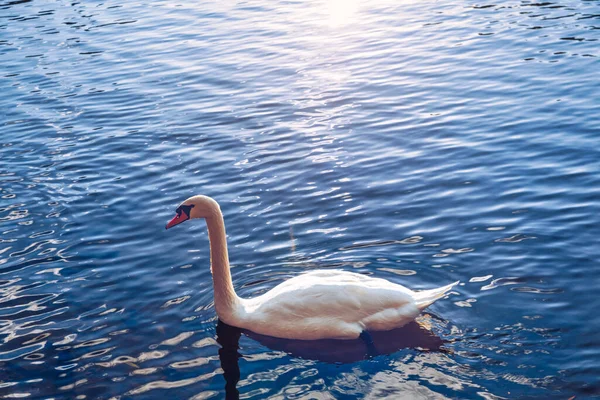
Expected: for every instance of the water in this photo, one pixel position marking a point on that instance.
(422, 142)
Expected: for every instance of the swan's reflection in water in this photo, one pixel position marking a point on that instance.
(415, 335)
(229, 337)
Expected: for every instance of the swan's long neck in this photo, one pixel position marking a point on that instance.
(226, 300)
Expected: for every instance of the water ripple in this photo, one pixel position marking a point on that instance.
(422, 143)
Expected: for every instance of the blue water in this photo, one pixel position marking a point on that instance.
(422, 142)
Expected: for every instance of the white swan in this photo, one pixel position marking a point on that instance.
(322, 304)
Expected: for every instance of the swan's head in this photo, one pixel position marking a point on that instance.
(195, 207)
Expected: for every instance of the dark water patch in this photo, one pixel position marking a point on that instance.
(32, 262)
(526, 289)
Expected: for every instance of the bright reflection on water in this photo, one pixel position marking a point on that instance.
(341, 12)
(420, 142)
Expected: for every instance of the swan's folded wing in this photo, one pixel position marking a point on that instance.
(354, 301)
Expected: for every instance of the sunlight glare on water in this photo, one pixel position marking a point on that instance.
(342, 12)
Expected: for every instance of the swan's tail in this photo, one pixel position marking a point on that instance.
(425, 298)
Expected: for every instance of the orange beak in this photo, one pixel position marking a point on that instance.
(177, 220)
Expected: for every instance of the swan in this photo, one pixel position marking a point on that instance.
(321, 304)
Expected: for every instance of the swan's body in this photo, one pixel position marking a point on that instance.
(322, 304)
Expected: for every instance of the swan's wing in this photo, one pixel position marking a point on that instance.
(344, 277)
(334, 290)
(320, 301)
(332, 273)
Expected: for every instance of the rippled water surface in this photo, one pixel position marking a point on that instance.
(423, 142)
